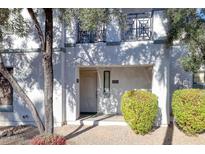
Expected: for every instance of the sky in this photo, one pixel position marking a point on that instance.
(201, 13)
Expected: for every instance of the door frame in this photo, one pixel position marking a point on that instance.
(96, 95)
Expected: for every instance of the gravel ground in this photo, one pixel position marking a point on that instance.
(118, 135)
(111, 135)
(21, 135)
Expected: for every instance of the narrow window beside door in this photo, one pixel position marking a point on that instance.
(106, 88)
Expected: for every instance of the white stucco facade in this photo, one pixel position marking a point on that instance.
(136, 65)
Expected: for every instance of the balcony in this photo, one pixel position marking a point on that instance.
(91, 36)
(138, 27)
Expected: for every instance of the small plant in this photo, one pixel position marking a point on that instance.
(48, 139)
(139, 109)
(188, 106)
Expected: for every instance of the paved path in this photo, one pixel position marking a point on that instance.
(111, 135)
(118, 135)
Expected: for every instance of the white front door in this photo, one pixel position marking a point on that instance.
(88, 91)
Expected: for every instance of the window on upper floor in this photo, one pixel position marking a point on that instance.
(138, 27)
(94, 36)
(6, 94)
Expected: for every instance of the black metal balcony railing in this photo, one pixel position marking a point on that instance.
(138, 28)
(91, 36)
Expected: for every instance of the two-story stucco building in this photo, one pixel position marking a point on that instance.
(93, 69)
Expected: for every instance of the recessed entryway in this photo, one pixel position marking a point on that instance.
(101, 88)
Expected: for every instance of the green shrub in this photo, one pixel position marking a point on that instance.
(188, 106)
(139, 109)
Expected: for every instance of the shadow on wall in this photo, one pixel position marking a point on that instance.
(129, 79)
(32, 40)
(162, 20)
(29, 69)
(57, 29)
(28, 72)
(181, 78)
(178, 77)
(158, 118)
(127, 53)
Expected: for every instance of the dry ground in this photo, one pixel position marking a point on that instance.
(110, 135)
(118, 135)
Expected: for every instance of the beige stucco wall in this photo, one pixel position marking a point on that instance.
(136, 77)
(28, 71)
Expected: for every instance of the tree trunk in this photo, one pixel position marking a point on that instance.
(37, 26)
(20, 92)
(48, 71)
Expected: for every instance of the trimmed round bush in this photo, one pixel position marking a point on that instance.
(139, 109)
(48, 139)
(188, 106)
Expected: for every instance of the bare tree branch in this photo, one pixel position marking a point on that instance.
(22, 95)
(37, 26)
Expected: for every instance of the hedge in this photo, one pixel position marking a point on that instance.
(139, 109)
(188, 106)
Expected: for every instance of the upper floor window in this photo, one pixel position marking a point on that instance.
(94, 36)
(138, 27)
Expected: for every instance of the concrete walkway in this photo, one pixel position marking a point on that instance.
(119, 135)
(111, 135)
(99, 119)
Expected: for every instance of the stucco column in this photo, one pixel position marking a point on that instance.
(160, 86)
(113, 32)
(72, 92)
(71, 33)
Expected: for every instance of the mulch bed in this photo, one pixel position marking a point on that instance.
(17, 134)
(14, 130)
